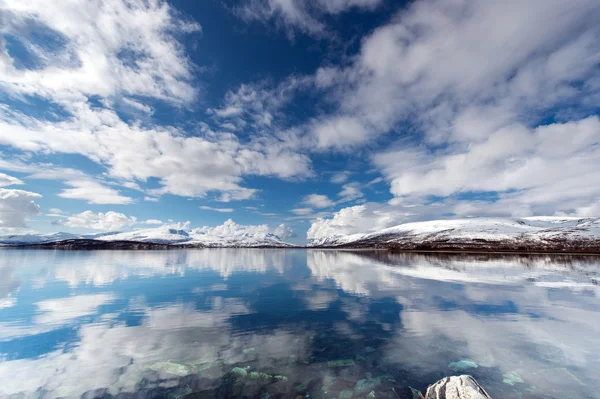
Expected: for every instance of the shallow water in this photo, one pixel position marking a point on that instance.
(289, 323)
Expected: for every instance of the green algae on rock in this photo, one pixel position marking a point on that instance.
(341, 363)
(463, 365)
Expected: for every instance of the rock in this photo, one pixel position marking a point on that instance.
(341, 363)
(280, 378)
(512, 378)
(171, 368)
(345, 395)
(463, 365)
(457, 387)
(239, 372)
(371, 394)
(366, 385)
(328, 380)
(416, 393)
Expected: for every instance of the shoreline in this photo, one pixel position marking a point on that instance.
(69, 245)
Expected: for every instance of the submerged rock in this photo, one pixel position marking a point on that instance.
(463, 365)
(239, 372)
(416, 393)
(171, 368)
(341, 363)
(457, 387)
(366, 385)
(345, 395)
(512, 378)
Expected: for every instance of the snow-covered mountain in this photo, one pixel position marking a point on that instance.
(527, 234)
(196, 237)
(159, 235)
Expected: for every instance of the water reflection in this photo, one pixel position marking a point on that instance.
(176, 323)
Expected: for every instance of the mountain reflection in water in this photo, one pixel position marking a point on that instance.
(321, 323)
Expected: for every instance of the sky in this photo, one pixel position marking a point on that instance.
(302, 117)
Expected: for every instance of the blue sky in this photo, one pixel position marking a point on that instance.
(310, 117)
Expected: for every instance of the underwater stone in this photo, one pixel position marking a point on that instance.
(512, 378)
(171, 368)
(365, 385)
(463, 365)
(341, 363)
(415, 393)
(249, 350)
(328, 380)
(281, 378)
(371, 394)
(457, 387)
(345, 395)
(239, 372)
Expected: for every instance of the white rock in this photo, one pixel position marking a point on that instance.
(457, 387)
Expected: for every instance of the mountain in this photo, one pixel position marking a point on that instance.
(531, 234)
(161, 236)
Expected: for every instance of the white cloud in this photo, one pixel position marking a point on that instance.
(282, 231)
(122, 52)
(534, 168)
(186, 166)
(356, 219)
(153, 221)
(151, 199)
(302, 211)
(138, 106)
(475, 82)
(57, 312)
(16, 206)
(229, 229)
(340, 177)
(6, 180)
(318, 201)
(350, 192)
(93, 193)
(303, 15)
(210, 208)
(99, 221)
(105, 48)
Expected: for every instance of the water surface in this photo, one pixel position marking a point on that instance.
(253, 323)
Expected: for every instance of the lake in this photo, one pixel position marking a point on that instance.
(268, 323)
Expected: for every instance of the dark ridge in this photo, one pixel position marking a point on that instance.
(84, 244)
(523, 245)
(77, 244)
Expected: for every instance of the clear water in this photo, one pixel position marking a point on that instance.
(174, 324)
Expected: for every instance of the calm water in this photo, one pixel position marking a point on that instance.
(289, 323)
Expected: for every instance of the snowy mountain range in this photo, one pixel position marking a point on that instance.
(163, 235)
(531, 234)
(544, 233)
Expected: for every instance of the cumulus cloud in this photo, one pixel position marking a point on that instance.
(356, 219)
(94, 193)
(103, 48)
(283, 231)
(350, 192)
(318, 201)
(153, 221)
(16, 206)
(126, 52)
(230, 229)
(57, 312)
(6, 180)
(477, 85)
(99, 221)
